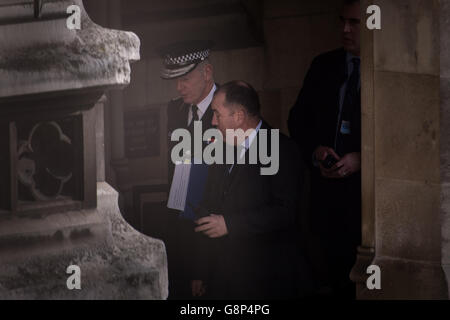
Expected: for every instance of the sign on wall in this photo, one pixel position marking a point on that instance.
(142, 133)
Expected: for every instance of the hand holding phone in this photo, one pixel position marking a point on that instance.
(329, 162)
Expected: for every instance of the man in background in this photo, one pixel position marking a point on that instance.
(326, 123)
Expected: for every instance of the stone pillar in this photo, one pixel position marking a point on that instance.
(116, 102)
(108, 13)
(55, 208)
(445, 135)
(402, 158)
(366, 251)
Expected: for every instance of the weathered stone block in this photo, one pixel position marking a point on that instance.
(57, 215)
(407, 280)
(445, 130)
(409, 37)
(135, 94)
(444, 18)
(128, 265)
(408, 220)
(407, 126)
(445, 211)
(240, 64)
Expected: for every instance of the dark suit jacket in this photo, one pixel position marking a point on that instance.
(313, 119)
(179, 234)
(335, 218)
(259, 256)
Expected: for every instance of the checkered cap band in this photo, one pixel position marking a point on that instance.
(187, 58)
(167, 73)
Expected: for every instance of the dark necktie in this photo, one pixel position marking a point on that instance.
(231, 166)
(352, 100)
(194, 109)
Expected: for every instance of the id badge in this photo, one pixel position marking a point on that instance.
(345, 127)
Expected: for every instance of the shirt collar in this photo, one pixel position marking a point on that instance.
(204, 104)
(349, 57)
(249, 140)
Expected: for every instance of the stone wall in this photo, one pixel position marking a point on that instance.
(401, 150)
(51, 111)
(445, 136)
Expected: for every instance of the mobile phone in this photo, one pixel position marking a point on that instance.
(329, 162)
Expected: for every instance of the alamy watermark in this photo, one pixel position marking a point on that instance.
(257, 148)
(373, 21)
(373, 282)
(74, 280)
(73, 22)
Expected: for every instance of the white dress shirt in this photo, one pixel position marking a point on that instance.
(247, 143)
(202, 106)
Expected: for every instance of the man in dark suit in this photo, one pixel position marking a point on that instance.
(326, 124)
(249, 244)
(186, 63)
